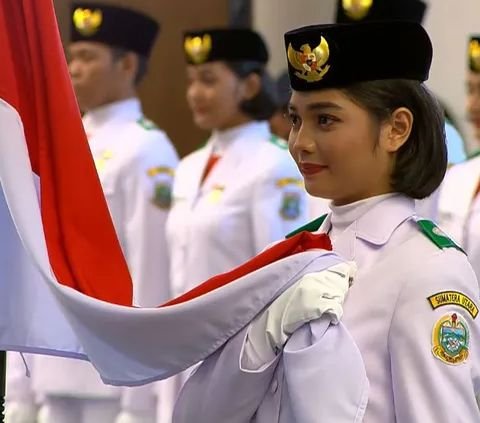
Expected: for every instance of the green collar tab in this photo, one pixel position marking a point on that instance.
(279, 142)
(146, 124)
(312, 226)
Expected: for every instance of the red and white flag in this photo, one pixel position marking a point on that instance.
(65, 288)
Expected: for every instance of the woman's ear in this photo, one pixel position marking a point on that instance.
(251, 86)
(398, 129)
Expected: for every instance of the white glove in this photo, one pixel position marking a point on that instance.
(18, 412)
(313, 296)
(129, 417)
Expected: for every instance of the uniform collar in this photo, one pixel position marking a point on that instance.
(221, 141)
(374, 220)
(119, 111)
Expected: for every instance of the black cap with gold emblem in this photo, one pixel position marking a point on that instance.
(114, 26)
(337, 55)
(380, 10)
(225, 44)
(474, 53)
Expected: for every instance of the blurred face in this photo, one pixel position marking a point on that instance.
(280, 124)
(98, 78)
(214, 94)
(473, 101)
(343, 153)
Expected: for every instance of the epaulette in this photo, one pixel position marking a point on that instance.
(436, 235)
(146, 124)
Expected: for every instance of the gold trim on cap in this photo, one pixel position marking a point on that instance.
(357, 9)
(198, 48)
(310, 64)
(474, 54)
(87, 21)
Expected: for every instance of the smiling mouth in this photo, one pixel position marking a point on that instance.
(309, 169)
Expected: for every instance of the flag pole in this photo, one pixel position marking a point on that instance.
(3, 384)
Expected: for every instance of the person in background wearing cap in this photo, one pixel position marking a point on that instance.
(242, 190)
(349, 11)
(367, 134)
(108, 57)
(459, 199)
(279, 122)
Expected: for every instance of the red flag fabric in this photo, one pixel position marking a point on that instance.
(82, 246)
(301, 242)
(72, 235)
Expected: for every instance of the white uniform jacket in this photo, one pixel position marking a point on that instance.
(401, 311)
(412, 312)
(135, 162)
(459, 208)
(253, 196)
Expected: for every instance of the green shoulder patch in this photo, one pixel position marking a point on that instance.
(436, 235)
(147, 124)
(279, 142)
(312, 226)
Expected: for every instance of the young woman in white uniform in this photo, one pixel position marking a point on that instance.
(240, 191)
(367, 134)
(459, 201)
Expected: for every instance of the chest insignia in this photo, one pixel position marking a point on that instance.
(216, 193)
(102, 159)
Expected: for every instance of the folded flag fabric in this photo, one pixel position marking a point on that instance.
(64, 285)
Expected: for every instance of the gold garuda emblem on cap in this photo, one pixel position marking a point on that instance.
(87, 21)
(357, 9)
(198, 48)
(474, 54)
(310, 64)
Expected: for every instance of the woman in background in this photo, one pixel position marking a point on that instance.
(242, 190)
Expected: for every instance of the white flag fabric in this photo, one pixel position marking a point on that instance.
(127, 346)
(64, 285)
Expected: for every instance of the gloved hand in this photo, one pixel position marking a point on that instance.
(313, 296)
(131, 417)
(20, 412)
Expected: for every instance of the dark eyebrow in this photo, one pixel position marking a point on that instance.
(317, 106)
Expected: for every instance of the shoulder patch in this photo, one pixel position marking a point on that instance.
(283, 182)
(159, 170)
(312, 226)
(436, 235)
(279, 142)
(162, 196)
(451, 339)
(456, 298)
(147, 124)
(291, 205)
